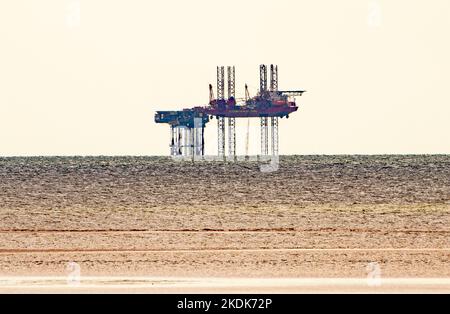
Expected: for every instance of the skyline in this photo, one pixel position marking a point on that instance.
(85, 78)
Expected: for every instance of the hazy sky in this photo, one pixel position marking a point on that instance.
(84, 77)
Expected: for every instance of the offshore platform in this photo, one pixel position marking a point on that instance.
(187, 126)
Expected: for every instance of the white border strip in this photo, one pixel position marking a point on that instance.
(205, 282)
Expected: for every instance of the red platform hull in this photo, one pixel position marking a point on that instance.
(246, 112)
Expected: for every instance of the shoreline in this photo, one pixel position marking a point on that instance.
(139, 284)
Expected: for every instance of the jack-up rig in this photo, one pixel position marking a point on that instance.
(187, 126)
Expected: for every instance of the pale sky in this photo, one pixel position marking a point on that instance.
(84, 77)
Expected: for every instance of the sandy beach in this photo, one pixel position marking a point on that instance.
(317, 225)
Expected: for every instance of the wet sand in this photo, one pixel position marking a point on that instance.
(194, 225)
(175, 285)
